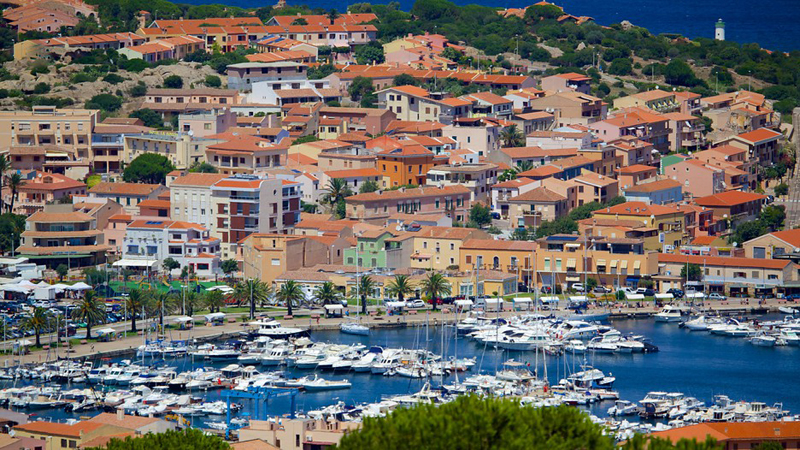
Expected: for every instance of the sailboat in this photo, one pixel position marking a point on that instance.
(354, 327)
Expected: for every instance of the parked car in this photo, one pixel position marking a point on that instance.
(415, 304)
(677, 293)
(496, 215)
(792, 297)
(602, 290)
(647, 292)
(547, 289)
(716, 296)
(522, 287)
(578, 287)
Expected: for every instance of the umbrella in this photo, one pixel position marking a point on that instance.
(79, 286)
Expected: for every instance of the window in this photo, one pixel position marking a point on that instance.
(63, 442)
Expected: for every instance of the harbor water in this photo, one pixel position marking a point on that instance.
(694, 363)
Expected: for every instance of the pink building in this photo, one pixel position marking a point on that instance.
(638, 123)
(697, 177)
(452, 201)
(632, 175)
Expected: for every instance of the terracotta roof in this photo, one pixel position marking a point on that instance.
(407, 150)
(538, 195)
(594, 179)
(636, 168)
(156, 204)
(423, 191)
(791, 237)
(68, 217)
(59, 429)
(572, 76)
(197, 179)
(759, 135)
(729, 198)
(515, 183)
(727, 150)
(410, 90)
(489, 97)
(637, 209)
(727, 261)
(704, 240)
(135, 189)
(654, 186)
(538, 152)
(102, 441)
(128, 421)
(253, 444)
(543, 171)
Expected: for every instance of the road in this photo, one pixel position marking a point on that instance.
(792, 203)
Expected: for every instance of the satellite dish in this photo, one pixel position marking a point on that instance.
(190, 133)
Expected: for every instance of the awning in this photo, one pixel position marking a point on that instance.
(664, 296)
(493, 301)
(572, 245)
(550, 299)
(105, 331)
(573, 279)
(571, 263)
(522, 300)
(463, 302)
(182, 319)
(214, 316)
(634, 296)
(632, 278)
(623, 264)
(637, 265)
(614, 263)
(334, 307)
(135, 263)
(601, 262)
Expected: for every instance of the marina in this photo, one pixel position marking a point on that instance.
(582, 363)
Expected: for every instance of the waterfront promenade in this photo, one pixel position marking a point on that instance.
(315, 320)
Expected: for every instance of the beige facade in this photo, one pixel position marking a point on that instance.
(266, 256)
(296, 434)
(48, 125)
(182, 150)
(191, 200)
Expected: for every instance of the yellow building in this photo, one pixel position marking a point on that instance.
(267, 256)
(48, 125)
(668, 221)
(60, 436)
(514, 257)
(564, 260)
(438, 248)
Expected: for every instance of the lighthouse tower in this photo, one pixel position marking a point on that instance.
(719, 33)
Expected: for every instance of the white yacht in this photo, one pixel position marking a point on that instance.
(273, 329)
(668, 314)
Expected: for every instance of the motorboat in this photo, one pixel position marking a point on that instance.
(668, 314)
(317, 384)
(273, 329)
(354, 328)
(763, 340)
(787, 310)
(700, 323)
(623, 408)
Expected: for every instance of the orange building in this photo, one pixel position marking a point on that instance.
(406, 164)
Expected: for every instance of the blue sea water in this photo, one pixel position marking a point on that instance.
(696, 364)
(772, 25)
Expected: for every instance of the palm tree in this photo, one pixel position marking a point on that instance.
(365, 286)
(327, 294)
(289, 293)
(214, 300)
(434, 286)
(15, 181)
(511, 136)
(91, 310)
(523, 166)
(38, 322)
(400, 287)
(158, 302)
(5, 166)
(134, 304)
(333, 15)
(253, 290)
(337, 190)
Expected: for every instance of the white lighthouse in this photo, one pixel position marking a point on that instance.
(719, 33)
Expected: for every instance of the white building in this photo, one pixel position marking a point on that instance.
(264, 92)
(190, 198)
(149, 242)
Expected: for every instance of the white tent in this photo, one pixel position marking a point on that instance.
(223, 288)
(43, 284)
(630, 296)
(60, 287)
(16, 288)
(214, 316)
(23, 343)
(395, 305)
(548, 300)
(26, 283)
(182, 319)
(334, 307)
(695, 295)
(522, 303)
(494, 304)
(578, 298)
(105, 331)
(79, 286)
(135, 263)
(661, 296)
(463, 303)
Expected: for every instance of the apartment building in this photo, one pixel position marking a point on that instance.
(534, 207)
(761, 144)
(108, 144)
(668, 221)
(634, 174)
(697, 178)
(438, 248)
(509, 189)
(48, 125)
(201, 124)
(638, 123)
(191, 198)
(513, 257)
(656, 192)
(478, 178)
(177, 47)
(571, 108)
(567, 82)
(246, 204)
(148, 243)
(236, 154)
(736, 206)
(404, 164)
(40, 188)
(686, 131)
(480, 135)
(489, 104)
(593, 187)
(453, 201)
(634, 151)
(655, 100)
(58, 235)
(410, 103)
(266, 256)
